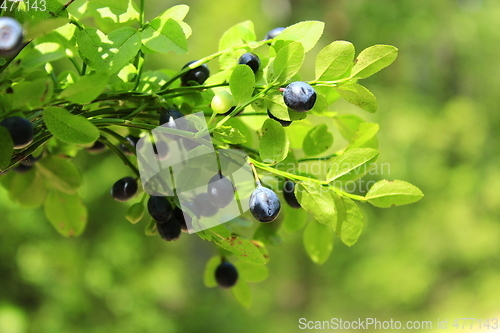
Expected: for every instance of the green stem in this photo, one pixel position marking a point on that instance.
(285, 174)
(141, 13)
(140, 65)
(118, 152)
(324, 158)
(84, 69)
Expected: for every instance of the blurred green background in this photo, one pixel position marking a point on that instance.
(438, 258)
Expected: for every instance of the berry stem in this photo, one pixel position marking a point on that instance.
(118, 152)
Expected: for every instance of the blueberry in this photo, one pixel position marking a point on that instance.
(288, 193)
(251, 60)
(197, 75)
(168, 117)
(284, 123)
(11, 36)
(22, 168)
(299, 96)
(178, 215)
(161, 150)
(169, 230)
(133, 142)
(30, 160)
(160, 209)
(273, 33)
(226, 275)
(264, 204)
(124, 189)
(220, 191)
(204, 206)
(20, 129)
(97, 147)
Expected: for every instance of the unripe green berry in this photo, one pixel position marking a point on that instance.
(222, 102)
(135, 212)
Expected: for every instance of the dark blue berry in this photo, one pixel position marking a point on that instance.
(160, 209)
(169, 230)
(22, 168)
(251, 60)
(226, 275)
(273, 33)
(168, 117)
(30, 160)
(264, 204)
(20, 129)
(195, 76)
(11, 36)
(220, 191)
(204, 206)
(124, 189)
(299, 96)
(288, 193)
(97, 147)
(132, 140)
(284, 123)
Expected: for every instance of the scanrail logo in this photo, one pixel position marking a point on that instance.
(178, 159)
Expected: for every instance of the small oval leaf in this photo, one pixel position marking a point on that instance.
(69, 128)
(393, 193)
(274, 144)
(66, 212)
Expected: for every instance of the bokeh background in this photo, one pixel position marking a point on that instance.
(438, 258)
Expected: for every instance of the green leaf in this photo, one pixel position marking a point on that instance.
(317, 141)
(393, 193)
(293, 219)
(318, 201)
(209, 272)
(66, 212)
(165, 36)
(32, 94)
(28, 189)
(113, 14)
(60, 173)
(273, 145)
(358, 95)
(43, 53)
(275, 104)
(268, 234)
(6, 148)
(242, 83)
(86, 89)
(352, 164)
(135, 212)
(318, 241)
(242, 293)
(244, 249)
(229, 134)
(373, 59)
(27, 13)
(350, 220)
(334, 60)
(348, 125)
(306, 32)
(286, 64)
(251, 273)
(69, 128)
(365, 136)
(108, 53)
(39, 28)
(238, 34)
